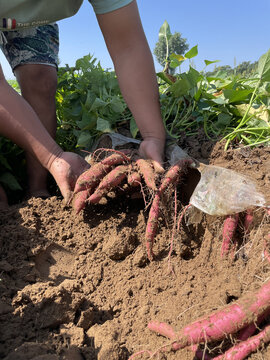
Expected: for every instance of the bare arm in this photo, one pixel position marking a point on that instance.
(19, 123)
(133, 61)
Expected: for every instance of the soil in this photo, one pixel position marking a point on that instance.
(80, 286)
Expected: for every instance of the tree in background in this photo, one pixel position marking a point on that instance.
(245, 69)
(168, 44)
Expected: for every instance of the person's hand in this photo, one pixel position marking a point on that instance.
(153, 148)
(65, 169)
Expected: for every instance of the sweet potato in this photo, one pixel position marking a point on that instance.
(111, 180)
(248, 220)
(170, 177)
(79, 200)
(90, 178)
(243, 349)
(229, 228)
(219, 324)
(147, 170)
(134, 179)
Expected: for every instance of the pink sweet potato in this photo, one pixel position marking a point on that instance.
(146, 169)
(248, 220)
(229, 228)
(243, 349)
(219, 324)
(134, 179)
(111, 180)
(79, 200)
(170, 177)
(90, 178)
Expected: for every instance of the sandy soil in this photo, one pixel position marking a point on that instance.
(81, 287)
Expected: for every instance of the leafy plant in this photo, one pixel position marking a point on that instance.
(89, 103)
(167, 45)
(193, 100)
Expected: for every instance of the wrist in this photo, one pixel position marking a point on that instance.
(50, 158)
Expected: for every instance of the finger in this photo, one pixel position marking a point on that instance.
(158, 167)
(67, 197)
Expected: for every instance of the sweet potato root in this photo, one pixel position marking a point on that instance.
(229, 228)
(79, 200)
(111, 180)
(170, 177)
(90, 178)
(146, 169)
(222, 323)
(134, 179)
(243, 349)
(248, 220)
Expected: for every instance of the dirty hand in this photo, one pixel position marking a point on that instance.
(65, 169)
(153, 148)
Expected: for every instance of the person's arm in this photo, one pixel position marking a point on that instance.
(20, 124)
(134, 66)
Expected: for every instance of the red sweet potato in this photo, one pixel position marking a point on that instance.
(248, 220)
(111, 180)
(243, 349)
(90, 178)
(79, 200)
(147, 170)
(219, 324)
(134, 179)
(170, 177)
(229, 228)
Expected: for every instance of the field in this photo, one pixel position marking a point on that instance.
(80, 287)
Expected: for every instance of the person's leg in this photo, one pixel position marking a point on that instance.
(33, 55)
(38, 86)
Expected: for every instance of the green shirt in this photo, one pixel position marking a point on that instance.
(16, 14)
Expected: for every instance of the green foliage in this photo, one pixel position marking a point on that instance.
(169, 44)
(89, 103)
(15, 85)
(230, 106)
(245, 69)
(226, 104)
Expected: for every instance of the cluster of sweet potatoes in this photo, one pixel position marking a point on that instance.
(119, 168)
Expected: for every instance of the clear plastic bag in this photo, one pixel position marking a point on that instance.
(221, 191)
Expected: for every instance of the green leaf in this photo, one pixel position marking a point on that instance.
(10, 181)
(192, 52)
(89, 99)
(224, 119)
(165, 31)
(236, 95)
(179, 58)
(163, 77)
(103, 125)
(4, 162)
(98, 104)
(88, 120)
(133, 128)
(208, 62)
(264, 66)
(117, 105)
(186, 82)
(84, 139)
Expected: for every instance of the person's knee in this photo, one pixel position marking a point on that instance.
(37, 80)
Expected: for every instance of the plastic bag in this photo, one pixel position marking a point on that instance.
(222, 191)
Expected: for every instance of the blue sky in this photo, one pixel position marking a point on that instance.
(229, 31)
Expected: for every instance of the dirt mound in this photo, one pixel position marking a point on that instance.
(81, 287)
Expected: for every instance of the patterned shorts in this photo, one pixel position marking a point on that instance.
(39, 45)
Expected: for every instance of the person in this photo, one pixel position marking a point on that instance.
(33, 55)
(120, 23)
